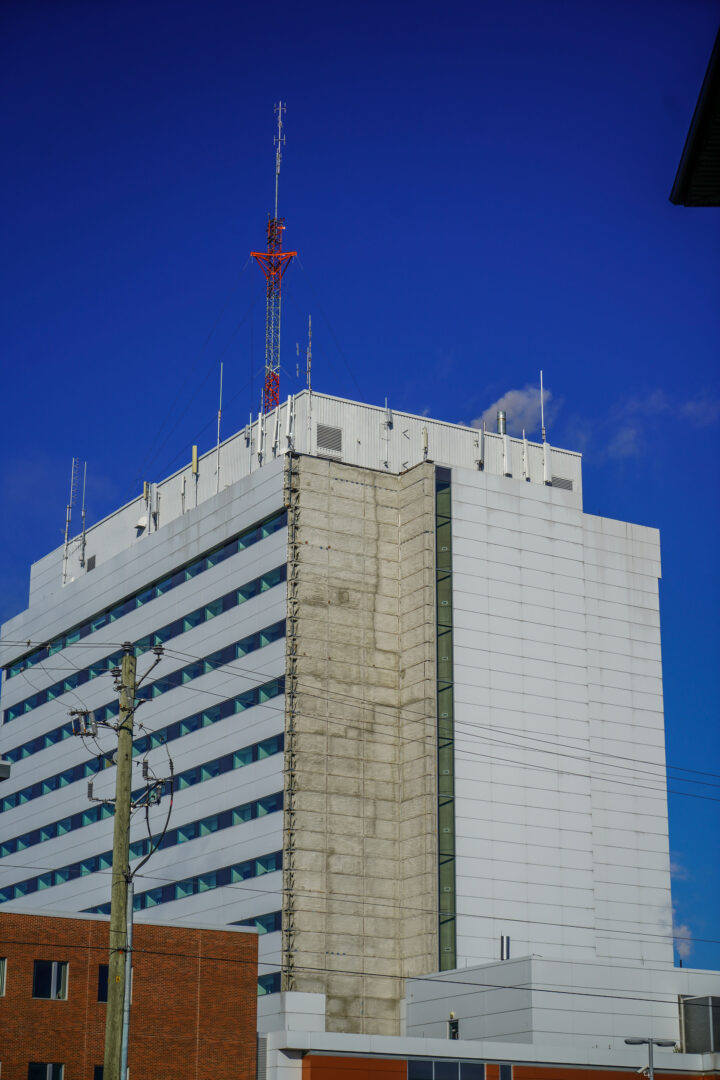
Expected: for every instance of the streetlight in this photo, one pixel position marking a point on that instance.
(650, 1043)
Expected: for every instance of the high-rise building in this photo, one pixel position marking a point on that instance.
(412, 694)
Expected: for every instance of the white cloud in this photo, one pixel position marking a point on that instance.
(521, 407)
(701, 412)
(678, 871)
(632, 424)
(682, 936)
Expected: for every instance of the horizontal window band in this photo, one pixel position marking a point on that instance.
(212, 879)
(248, 537)
(151, 690)
(84, 770)
(100, 811)
(174, 629)
(224, 819)
(264, 924)
(269, 983)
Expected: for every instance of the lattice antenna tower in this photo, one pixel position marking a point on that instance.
(273, 263)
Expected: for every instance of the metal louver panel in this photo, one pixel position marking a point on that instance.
(329, 438)
(562, 482)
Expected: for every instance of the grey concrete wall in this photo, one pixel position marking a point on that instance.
(360, 760)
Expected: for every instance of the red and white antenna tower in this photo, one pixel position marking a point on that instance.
(273, 263)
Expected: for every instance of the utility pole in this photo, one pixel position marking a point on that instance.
(118, 971)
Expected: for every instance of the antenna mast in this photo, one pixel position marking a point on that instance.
(542, 408)
(68, 513)
(308, 351)
(273, 263)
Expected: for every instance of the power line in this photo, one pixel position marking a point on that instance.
(636, 784)
(402, 906)
(405, 712)
(436, 980)
(152, 453)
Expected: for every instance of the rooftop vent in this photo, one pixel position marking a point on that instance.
(329, 438)
(562, 482)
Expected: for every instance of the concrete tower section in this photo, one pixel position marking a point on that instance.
(411, 690)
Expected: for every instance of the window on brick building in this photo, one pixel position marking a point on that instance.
(3, 968)
(98, 1072)
(102, 984)
(50, 981)
(41, 1070)
(506, 1072)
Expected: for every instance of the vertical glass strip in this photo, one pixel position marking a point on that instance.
(445, 720)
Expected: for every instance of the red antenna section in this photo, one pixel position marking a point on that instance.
(273, 263)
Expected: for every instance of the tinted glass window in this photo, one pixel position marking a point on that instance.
(102, 982)
(446, 1070)
(420, 1070)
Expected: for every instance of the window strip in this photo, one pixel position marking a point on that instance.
(212, 879)
(152, 690)
(158, 637)
(224, 819)
(260, 694)
(447, 946)
(84, 769)
(258, 531)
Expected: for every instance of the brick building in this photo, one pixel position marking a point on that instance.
(194, 1000)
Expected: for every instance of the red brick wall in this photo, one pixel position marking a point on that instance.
(194, 1000)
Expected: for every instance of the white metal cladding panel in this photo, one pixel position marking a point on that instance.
(627, 739)
(182, 701)
(515, 715)
(369, 441)
(525, 682)
(218, 907)
(191, 804)
(256, 837)
(611, 1001)
(216, 518)
(256, 667)
(123, 572)
(254, 456)
(216, 850)
(211, 584)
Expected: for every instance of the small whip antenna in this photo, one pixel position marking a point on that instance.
(542, 408)
(219, 418)
(82, 517)
(68, 512)
(279, 142)
(308, 353)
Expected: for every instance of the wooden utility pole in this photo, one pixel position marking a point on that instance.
(120, 872)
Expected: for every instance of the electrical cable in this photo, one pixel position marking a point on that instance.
(404, 907)
(152, 453)
(434, 979)
(406, 712)
(333, 335)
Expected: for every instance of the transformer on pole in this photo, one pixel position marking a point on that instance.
(273, 263)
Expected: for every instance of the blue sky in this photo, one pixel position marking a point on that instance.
(476, 191)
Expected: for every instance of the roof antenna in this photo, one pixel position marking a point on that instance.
(273, 263)
(82, 515)
(217, 452)
(308, 352)
(542, 408)
(68, 513)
